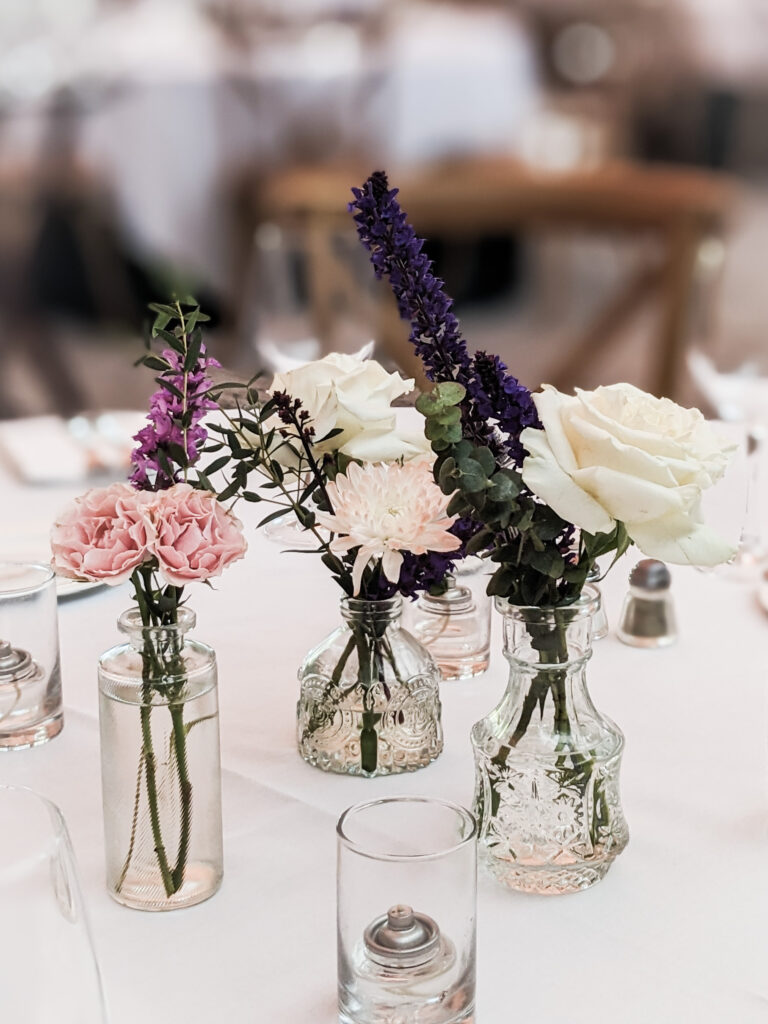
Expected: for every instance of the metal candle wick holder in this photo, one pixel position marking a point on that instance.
(402, 938)
(16, 665)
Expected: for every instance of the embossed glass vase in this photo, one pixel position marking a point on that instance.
(160, 764)
(369, 702)
(547, 761)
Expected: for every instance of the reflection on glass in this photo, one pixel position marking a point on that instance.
(740, 396)
(49, 971)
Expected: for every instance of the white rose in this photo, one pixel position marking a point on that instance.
(619, 454)
(355, 396)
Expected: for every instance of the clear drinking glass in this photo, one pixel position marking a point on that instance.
(407, 878)
(47, 962)
(741, 395)
(30, 677)
(370, 695)
(455, 627)
(160, 764)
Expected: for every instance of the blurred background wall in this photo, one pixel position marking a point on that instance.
(591, 174)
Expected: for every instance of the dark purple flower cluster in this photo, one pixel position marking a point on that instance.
(493, 395)
(420, 572)
(174, 435)
(290, 412)
(501, 397)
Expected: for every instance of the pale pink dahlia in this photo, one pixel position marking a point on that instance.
(385, 509)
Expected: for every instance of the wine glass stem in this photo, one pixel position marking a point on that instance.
(751, 532)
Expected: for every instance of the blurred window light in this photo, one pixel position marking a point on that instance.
(554, 142)
(330, 48)
(583, 53)
(30, 71)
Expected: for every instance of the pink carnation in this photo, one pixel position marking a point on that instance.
(103, 535)
(196, 537)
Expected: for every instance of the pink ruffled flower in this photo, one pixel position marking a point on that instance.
(196, 538)
(383, 510)
(103, 535)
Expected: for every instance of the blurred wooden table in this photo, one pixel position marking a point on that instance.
(680, 207)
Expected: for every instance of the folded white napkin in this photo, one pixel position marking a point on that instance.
(48, 449)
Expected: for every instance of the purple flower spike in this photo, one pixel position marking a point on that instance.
(175, 412)
(496, 402)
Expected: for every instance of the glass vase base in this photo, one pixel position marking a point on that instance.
(546, 879)
(33, 736)
(348, 763)
(463, 668)
(201, 881)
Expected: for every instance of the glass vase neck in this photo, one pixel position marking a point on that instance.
(130, 623)
(359, 611)
(550, 635)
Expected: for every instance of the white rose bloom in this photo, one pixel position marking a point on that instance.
(355, 396)
(619, 454)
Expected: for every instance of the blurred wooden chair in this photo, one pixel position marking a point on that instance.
(56, 225)
(681, 208)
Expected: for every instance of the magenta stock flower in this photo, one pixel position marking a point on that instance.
(384, 511)
(174, 427)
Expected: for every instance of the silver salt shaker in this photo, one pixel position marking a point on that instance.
(648, 616)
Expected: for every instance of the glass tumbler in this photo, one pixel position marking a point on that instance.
(49, 970)
(30, 677)
(407, 878)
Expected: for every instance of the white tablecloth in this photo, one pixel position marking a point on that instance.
(675, 932)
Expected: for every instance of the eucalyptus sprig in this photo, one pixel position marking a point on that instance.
(540, 559)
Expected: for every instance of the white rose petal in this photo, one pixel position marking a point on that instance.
(619, 454)
(545, 477)
(680, 541)
(351, 398)
(631, 499)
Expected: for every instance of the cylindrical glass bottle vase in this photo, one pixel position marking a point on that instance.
(547, 762)
(160, 761)
(369, 701)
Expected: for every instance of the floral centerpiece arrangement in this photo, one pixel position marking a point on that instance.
(550, 483)
(324, 444)
(158, 710)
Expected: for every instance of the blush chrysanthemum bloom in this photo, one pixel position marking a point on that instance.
(384, 510)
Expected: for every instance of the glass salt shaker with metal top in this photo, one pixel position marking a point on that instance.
(648, 617)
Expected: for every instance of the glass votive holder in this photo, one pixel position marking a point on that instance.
(407, 893)
(30, 677)
(455, 627)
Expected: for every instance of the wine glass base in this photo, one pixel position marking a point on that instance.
(746, 565)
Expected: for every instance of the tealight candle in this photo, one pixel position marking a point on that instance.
(415, 960)
(30, 681)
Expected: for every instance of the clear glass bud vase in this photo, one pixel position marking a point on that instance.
(369, 702)
(160, 762)
(547, 762)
